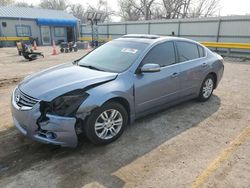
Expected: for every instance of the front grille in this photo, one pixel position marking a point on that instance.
(24, 101)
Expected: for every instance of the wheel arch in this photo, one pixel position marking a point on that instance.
(124, 102)
(214, 75)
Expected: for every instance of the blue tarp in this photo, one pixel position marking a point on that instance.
(56, 22)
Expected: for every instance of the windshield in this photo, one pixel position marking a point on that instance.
(114, 56)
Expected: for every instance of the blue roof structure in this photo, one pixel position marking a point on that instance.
(56, 22)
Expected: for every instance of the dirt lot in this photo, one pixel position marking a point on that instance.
(189, 145)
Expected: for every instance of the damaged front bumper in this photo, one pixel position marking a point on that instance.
(54, 130)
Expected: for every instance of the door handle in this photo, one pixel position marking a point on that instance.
(174, 75)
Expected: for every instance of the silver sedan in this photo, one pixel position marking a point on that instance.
(113, 85)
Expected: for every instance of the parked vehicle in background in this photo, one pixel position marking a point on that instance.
(112, 86)
(68, 47)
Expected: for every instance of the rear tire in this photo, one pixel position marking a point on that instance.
(207, 88)
(106, 124)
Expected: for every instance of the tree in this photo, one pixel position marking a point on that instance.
(128, 10)
(146, 8)
(175, 8)
(136, 9)
(166, 9)
(189, 8)
(54, 4)
(6, 2)
(78, 11)
(204, 8)
(23, 4)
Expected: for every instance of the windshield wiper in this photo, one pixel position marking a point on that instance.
(77, 61)
(91, 67)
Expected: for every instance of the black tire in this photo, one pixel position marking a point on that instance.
(89, 127)
(61, 50)
(75, 49)
(202, 96)
(66, 50)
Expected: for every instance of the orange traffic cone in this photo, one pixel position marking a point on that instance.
(54, 48)
(89, 48)
(34, 45)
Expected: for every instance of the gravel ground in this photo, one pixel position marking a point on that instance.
(168, 149)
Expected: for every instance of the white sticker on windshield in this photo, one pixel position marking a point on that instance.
(129, 50)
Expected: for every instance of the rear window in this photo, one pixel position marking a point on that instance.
(187, 51)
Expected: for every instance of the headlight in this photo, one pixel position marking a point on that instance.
(67, 104)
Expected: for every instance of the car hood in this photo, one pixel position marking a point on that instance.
(55, 81)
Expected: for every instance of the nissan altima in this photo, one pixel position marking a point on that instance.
(111, 86)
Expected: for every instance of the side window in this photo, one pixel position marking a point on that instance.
(59, 31)
(201, 51)
(162, 54)
(187, 51)
(23, 31)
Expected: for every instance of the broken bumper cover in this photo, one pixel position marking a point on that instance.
(55, 130)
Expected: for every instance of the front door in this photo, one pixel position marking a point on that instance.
(157, 88)
(46, 37)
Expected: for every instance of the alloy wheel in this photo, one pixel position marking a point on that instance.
(208, 88)
(108, 124)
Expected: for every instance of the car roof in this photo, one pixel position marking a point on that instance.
(151, 39)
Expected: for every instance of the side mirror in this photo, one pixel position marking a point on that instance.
(151, 68)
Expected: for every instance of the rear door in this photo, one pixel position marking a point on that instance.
(157, 88)
(192, 66)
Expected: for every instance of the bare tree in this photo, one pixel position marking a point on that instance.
(23, 4)
(145, 8)
(129, 10)
(6, 2)
(157, 12)
(204, 8)
(54, 4)
(189, 8)
(175, 8)
(78, 11)
(136, 9)
(166, 9)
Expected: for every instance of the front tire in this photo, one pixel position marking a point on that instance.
(106, 124)
(207, 88)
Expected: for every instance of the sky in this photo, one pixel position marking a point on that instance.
(238, 7)
(228, 7)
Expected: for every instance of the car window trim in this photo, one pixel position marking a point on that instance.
(178, 62)
(175, 52)
(203, 50)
